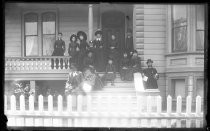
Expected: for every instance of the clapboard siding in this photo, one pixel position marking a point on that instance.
(150, 17)
(151, 12)
(12, 31)
(150, 22)
(140, 28)
(150, 34)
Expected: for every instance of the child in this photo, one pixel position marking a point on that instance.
(124, 67)
(59, 46)
(72, 50)
(135, 63)
(110, 74)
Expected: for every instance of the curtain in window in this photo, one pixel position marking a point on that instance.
(179, 31)
(31, 43)
(48, 32)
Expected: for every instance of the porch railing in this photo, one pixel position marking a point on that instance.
(103, 111)
(37, 63)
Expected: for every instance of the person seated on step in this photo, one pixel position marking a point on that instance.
(89, 61)
(135, 63)
(150, 76)
(124, 68)
(110, 73)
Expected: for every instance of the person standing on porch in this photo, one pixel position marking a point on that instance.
(88, 61)
(151, 76)
(125, 73)
(135, 63)
(59, 50)
(72, 50)
(99, 51)
(113, 53)
(83, 45)
(129, 42)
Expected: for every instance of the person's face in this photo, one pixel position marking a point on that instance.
(73, 38)
(113, 37)
(149, 64)
(81, 37)
(110, 62)
(59, 36)
(125, 55)
(98, 36)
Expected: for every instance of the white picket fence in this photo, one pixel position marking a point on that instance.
(106, 111)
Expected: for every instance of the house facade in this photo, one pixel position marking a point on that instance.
(171, 35)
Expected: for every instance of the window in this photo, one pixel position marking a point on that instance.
(199, 87)
(48, 32)
(179, 28)
(178, 88)
(31, 34)
(199, 27)
(39, 33)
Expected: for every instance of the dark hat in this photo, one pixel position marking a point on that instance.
(73, 36)
(79, 33)
(98, 32)
(149, 60)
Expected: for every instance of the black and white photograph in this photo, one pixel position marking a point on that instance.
(105, 65)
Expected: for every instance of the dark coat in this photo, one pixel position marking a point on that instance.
(59, 48)
(83, 49)
(125, 74)
(151, 81)
(110, 72)
(135, 64)
(99, 55)
(129, 45)
(72, 51)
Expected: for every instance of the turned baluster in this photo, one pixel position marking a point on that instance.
(36, 64)
(10, 65)
(27, 64)
(24, 67)
(68, 64)
(49, 64)
(41, 64)
(18, 65)
(64, 63)
(59, 63)
(31, 64)
(55, 63)
(14, 65)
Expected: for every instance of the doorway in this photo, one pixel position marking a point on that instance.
(113, 22)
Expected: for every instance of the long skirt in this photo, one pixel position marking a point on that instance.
(126, 74)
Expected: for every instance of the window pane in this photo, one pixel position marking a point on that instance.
(31, 46)
(180, 39)
(48, 42)
(199, 40)
(200, 87)
(200, 17)
(31, 28)
(179, 15)
(48, 24)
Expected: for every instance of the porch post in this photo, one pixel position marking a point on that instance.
(190, 85)
(90, 22)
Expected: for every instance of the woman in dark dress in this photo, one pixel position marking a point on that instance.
(83, 45)
(72, 50)
(88, 61)
(135, 63)
(129, 42)
(113, 53)
(99, 51)
(152, 76)
(124, 68)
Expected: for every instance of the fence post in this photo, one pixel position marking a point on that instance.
(79, 103)
(31, 103)
(159, 104)
(13, 103)
(60, 103)
(148, 104)
(189, 103)
(50, 103)
(179, 105)
(22, 103)
(40, 103)
(169, 104)
(198, 105)
(69, 103)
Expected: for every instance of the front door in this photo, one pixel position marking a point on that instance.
(113, 22)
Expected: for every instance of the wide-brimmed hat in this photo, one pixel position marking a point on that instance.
(149, 60)
(98, 32)
(79, 33)
(73, 35)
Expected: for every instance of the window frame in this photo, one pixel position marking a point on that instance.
(39, 12)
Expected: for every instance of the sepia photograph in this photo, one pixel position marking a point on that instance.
(105, 65)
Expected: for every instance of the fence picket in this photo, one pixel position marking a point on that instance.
(179, 105)
(69, 103)
(188, 104)
(40, 103)
(79, 103)
(197, 123)
(60, 103)
(198, 105)
(50, 103)
(159, 104)
(31, 103)
(13, 103)
(169, 104)
(188, 123)
(22, 103)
